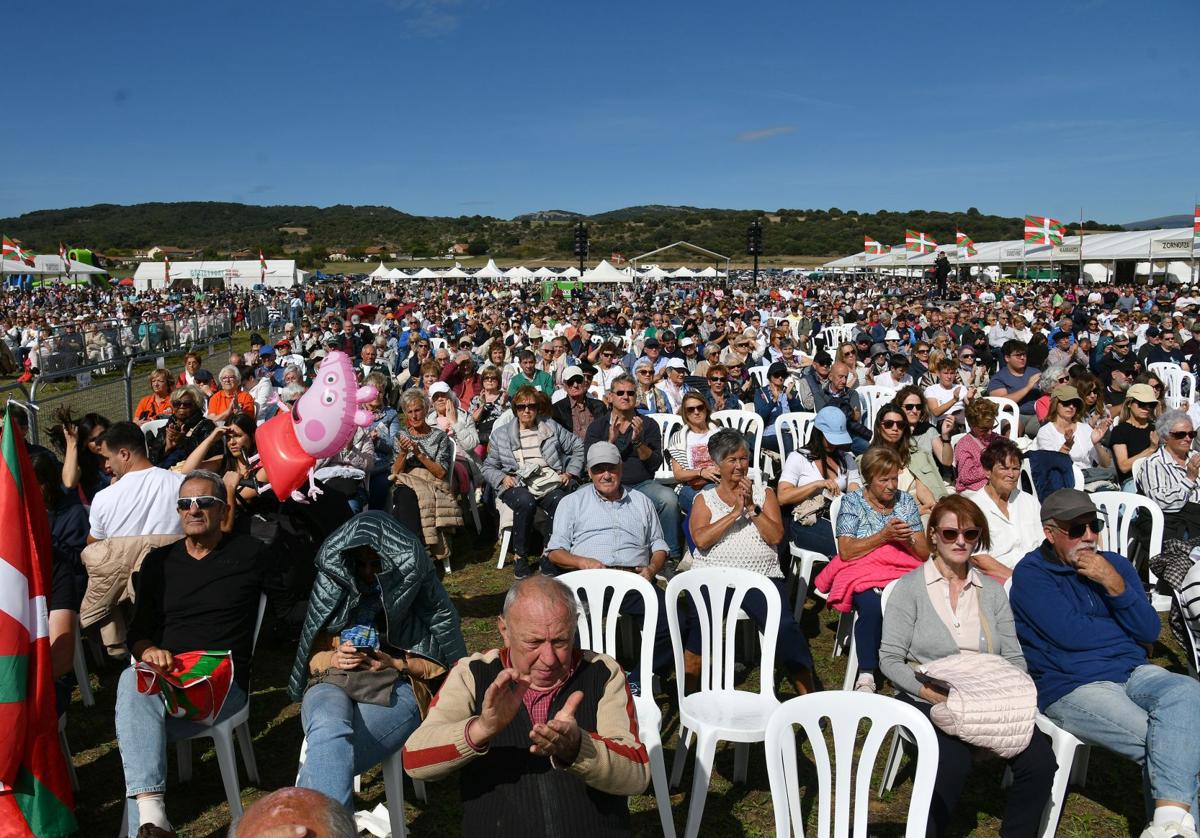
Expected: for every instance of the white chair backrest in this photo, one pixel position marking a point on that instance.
(436, 343)
(1118, 509)
(1136, 472)
(667, 424)
(844, 713)
(1080, 480)
(599, 593)
(743, 422)
(154, 427)
(1027, 484)
(793, 427)
(873, 398)
(1176, 383)
(708, 588)
(1008, 420)
(886, 595)
(558, 396)
(759, 374)
(832, 336)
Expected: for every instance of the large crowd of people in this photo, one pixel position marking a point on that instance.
(946, 448)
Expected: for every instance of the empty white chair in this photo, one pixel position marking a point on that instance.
(745, 423)
(718, 711)
(668, 424)
(154, 427)
(436, 343)
(793, 429)
(873, 398)
(1008, 420)
(844, 714)
(759, 374)
(1118, 509)
(600, 593)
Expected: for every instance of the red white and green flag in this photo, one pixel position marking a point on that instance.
(917, 242)
(966, 247)
(35, 789)
(1196, 231)
(62, 254)
(872, 247)
(262, 267)
(1042, 230)
(12, 250)
(166, 270)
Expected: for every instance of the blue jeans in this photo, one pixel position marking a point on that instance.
(1152, 719)
(143, 730)
(346, 737)
(868, 627)
(667, 507)
(686, 497)
(817, 538)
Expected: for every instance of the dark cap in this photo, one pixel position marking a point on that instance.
(777, 368)
(862, 337)
(256, 339)
(1067, 505)
(651, 343)
(203, 377)
(1153, 332)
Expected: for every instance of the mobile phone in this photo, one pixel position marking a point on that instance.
(362, 638)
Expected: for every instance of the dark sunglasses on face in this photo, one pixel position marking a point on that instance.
(183, 404)
(949, 535)
(716, 378)
(202, 501)
(1144, 405)
(1183, 434)
(525, 406)
(1076, 530)
(913, 406)
(623, 393)
(892, 424)
(695, 408)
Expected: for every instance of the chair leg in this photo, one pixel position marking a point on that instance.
(891, 768)
(183, 756)
(81, 673)
(246, 744)
(741, 761)
(1079, 773)
(706, 747)
(662, 793)
(393, 786)
(1065, 753)
(843, 635)
(227, 761)
(685, 741)
(473, 505)
(504, 541)
(446, 565)
(851, 666)
(420, 791)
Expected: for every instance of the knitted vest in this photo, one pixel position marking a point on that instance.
(511, 792)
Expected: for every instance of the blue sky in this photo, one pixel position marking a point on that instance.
(499, 107)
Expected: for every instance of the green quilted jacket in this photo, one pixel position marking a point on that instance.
(420, 616)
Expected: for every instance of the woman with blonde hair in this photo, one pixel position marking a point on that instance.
(981, 421)
(421, 498)
(691, 465)
(1066, 433)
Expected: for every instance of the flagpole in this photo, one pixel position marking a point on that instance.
(1081, 245)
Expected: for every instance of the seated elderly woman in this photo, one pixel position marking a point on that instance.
(421, 498)
(158, 404)
(1063, 432)
(188, 426)
(733, 525)
(880, 538)
(531, 462)
(1013, 516)
(919, 476)
(1170, 476)
(981, 420)
(449, 415)
(942, 609)
(231, 399)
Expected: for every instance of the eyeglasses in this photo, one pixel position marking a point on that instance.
(624, 393)
(967, 357)
(892, 424)
(202, 501)
(1076, 530)
(575, 381)
(606, 354)
(1144, 405)
(912, 406)
(183, 404)
(716, 378)
(696, 408)
(645, 372)
(525, 406)
(922, 351)
(949, 535)
(1182, 434)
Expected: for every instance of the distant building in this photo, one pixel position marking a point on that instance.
(458, 249)
(175, 253)
(295, 231)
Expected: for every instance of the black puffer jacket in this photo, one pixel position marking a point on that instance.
(420, 616)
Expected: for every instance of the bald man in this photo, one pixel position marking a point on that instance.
(295, 813)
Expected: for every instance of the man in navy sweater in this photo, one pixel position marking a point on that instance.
(1086, 627)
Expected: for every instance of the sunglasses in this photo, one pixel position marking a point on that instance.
(1076, 530)
(183, 404)
(913, 406)
(623, 393)
(525, 406)
(606, 354)
(1144, 405)
(645, 372)
(696, 408)
(202, 501)
(1183, 434)
(949, 535)
(892, 424)
(716, 378)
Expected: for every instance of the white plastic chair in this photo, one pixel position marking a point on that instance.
(718, 711)
(668, 423)
(759, 374)
(1009, 414)
(600, 593)
(844, 714)
(437, 343)
(1189, 636)
(222, 735)
(873, 397)
(1118, 510)
(794, 426)
(154, 427)
(393, 789)
(744, 423)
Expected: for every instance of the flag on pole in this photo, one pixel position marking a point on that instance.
(1196, 231)
(35, 789)
(871, 246)
(262, 267)
(12, 250)
(62, 254)
(966, 247)
(917, 242)
(166, 271)
(1042, 230)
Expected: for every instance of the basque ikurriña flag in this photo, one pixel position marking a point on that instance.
(35, 789)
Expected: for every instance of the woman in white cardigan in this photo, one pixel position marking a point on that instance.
(943, 608)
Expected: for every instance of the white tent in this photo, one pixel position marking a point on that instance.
(16, 266)
(425, 273)
(708, 273)
(570, 273)
(488, 271)
(381, 272)
(654, 272)
(457, 273)
(396, 273)
(53, 263)
(544, 273)
(681, 273)
(281, 273)
(604, 272)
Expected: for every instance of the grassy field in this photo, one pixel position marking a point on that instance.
(1110, 805)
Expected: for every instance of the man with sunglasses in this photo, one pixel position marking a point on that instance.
(199, 593)
(1086, 626)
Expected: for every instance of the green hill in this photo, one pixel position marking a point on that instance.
(310, 232)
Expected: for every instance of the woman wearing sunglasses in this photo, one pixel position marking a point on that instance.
(720, 397)
(919, 473)
(1169, 477)
(1066, 433)
(1013, 516)
(942, 609)
(1134, 438)
(933, 438)
(693, 468)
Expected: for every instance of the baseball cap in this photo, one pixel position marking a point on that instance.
(602, 453)
(892, 334)
(1067, 505)
(1141, 393)
(831, 422)
(572, 372)
(1153, 332)
(677, 364)
(203, 377)
(862, 337)
(439, 387)
(651, 343)
(687, 342)
(1065, 393)
(777, 368)
(265, 351)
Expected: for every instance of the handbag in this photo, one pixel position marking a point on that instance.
(809, 510)
(539, 480)
(425, 676)
(366, 686)
(196, 687)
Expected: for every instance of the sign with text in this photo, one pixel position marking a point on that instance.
(1180, 248)
(1065, 251)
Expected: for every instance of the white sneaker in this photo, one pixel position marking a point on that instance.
(1185, 828)
(865, 683)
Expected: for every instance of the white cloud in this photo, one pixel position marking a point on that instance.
(765, 133)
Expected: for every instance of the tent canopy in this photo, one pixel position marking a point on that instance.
(488, 271)
(280, 273)
(604, 272)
